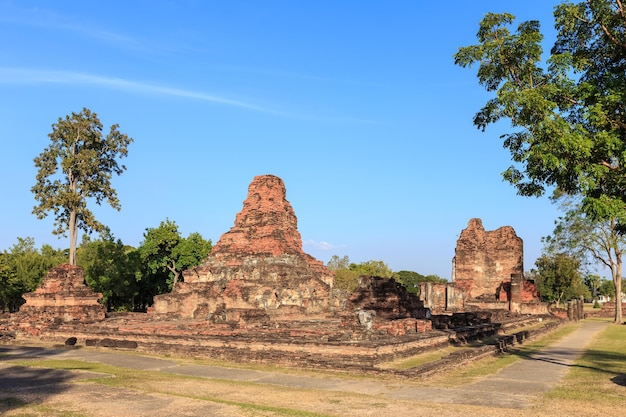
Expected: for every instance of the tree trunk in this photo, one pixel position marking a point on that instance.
(175, 272)
(617, 281)
(73, 221)
(73, 226)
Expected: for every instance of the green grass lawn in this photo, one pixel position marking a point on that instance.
(599, 376)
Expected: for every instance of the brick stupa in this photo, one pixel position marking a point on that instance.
(257, 269)
(62, 297)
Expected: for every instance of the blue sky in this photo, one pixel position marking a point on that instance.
(356, 105)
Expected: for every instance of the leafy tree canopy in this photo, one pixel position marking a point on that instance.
(593, 241)
(167, 253)
(567, 112)
(22, 269)
(336, 263)
(411, 279)
(75, 168)
(559, 278)
(110, 270)
(373, 268)
(347, 274)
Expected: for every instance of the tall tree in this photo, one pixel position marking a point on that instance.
(167, 253)
(590, 240)
(568, 113)
(75, 168)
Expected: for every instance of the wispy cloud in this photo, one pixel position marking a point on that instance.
(38, 17)
(321, 245)
(29, 76)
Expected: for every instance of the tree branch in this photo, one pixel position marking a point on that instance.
(605, 29)
(609, 165)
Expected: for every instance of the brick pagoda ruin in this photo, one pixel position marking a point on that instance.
(489, 267)
(256, 270)
(62, 298)
(259, 297)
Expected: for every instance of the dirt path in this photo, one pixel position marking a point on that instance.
(514, 387)
(517, 385)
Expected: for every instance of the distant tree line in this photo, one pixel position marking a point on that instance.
(127, 277)
(347, 274)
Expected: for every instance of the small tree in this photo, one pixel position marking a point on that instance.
(411, 280)
(593, 281)
(109, 271)
(167, 254)
(374, 269)
(336, 263)
(590, 240)
(75, 168)
(558, 278)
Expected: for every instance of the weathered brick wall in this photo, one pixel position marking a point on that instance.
(441, 297)
(388, 298)
(485, 259)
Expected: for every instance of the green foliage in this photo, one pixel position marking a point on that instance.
(373, 268)
(77, 167)
(166, 254)
(591, 240)
(593, 281)
(568, 114)
(128, 278)
(110, 270)
(607, 289)
(411, 280)
(346, 280)
(22, 269)
(347, 274)
(558, 278)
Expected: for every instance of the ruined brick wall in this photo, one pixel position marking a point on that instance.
(388, 298)
(485, 259)
(433, 295)
(266, 225)
(441, 297)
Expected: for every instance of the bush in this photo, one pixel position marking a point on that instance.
(346, 280)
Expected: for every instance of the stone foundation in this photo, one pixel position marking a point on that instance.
(312, 344)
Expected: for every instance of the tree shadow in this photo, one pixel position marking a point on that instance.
(619, 380)
(23, 385)
(600, 361)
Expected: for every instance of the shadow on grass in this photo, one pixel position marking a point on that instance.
(619, 380)
(601, 361)
(20, 382)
